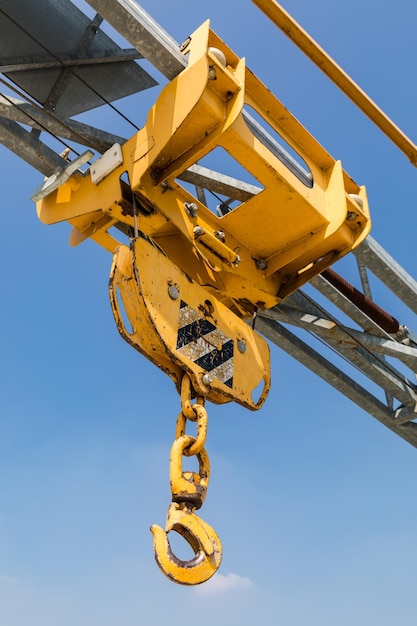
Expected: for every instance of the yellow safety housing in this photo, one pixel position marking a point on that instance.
(254, 255)
(180, 327)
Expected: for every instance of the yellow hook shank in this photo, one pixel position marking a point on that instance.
(203, 540)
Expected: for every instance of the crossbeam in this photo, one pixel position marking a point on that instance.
(30, 115)
(44, 62)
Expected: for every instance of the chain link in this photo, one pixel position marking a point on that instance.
(189, 488)
(201, 417)
(188, 409)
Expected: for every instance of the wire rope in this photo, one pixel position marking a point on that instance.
(17, 106)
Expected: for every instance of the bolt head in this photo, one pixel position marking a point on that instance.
(173, 292)
(191, 208)
(351, 216)
(198, 231)
(241, 346)
(207, 380)
(220, 56)
(261, 264)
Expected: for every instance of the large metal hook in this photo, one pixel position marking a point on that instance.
(203, 540)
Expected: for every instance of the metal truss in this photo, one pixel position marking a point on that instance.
(388, 361)
(55, 84)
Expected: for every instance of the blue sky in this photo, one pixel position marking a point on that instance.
(314, 500)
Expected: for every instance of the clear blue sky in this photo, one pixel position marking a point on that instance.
(314, 500)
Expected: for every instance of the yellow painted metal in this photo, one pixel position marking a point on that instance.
(188, 486)
(259, 252)
(279, 16)
(203, 540)
(200, 417)
(180, 326)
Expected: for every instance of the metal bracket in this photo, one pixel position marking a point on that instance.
(60, 176)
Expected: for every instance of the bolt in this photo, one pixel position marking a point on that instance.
(261, 264)
(207, 380)
(185, 44)
(402, 334)
(191, 208)
(212, 73)
(356, 199)
(173, 292)
(198, 231)
(219, 55)
(241, 345)
(220, 235)
(351, 216)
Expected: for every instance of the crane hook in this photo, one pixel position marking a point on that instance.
(203, 540)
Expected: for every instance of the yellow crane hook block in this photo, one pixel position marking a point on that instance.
(193, 272)
(181, 327)
(288, 227)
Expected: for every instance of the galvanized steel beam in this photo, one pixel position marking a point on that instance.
(31, 115)
(388, 271)
(326, 328)
(219, 183)
(335, 377)
(385, 376)
(142, 32)
(28, 147)
(44, 62)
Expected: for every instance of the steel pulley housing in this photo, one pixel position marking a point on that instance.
(182, 327)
